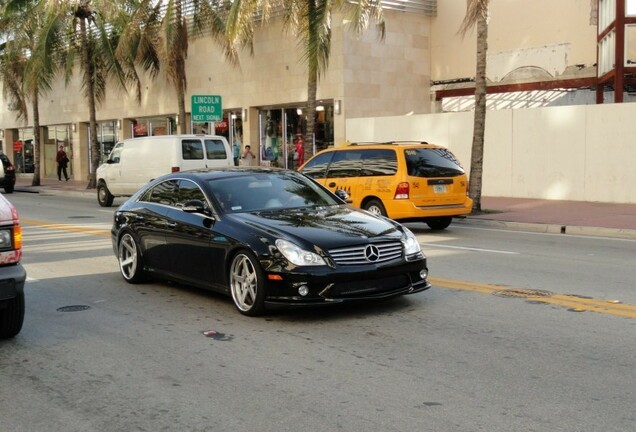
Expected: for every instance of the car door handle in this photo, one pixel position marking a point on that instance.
(171, 224)
(332, 184)
(139, 217)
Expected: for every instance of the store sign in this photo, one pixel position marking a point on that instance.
(206, 108)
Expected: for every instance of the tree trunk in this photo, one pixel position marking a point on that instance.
(477, 155)
(90, 86)
(310, 111)
(37, 148)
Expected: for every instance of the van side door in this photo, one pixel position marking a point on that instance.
(217, 152)
(344, 173)
(192, 154)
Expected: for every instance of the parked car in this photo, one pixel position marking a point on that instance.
(12, 274)
(7, 174)
(265, 236)
(135, 161)
(406, 181)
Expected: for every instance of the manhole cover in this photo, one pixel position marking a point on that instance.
(522, 293)
(74, 308)
(81, 217)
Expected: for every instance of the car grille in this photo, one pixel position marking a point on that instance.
(369, 287)
(373, 253)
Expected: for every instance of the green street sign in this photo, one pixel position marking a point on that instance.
(206, 108)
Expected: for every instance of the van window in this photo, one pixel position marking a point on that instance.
(215, 149)
(345, 164)
(317, 167)
(116, 152)
(378, 162)
(192, 149)
(436, 162)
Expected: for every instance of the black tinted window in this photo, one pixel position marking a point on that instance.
(215, 149)
(192, 149)
(188, 191)
(317, 167)
(378, 162)
(164, 193)
(436, 162)
(347, 163)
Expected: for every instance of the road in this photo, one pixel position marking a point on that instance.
(474, 353)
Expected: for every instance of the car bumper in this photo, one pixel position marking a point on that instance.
(12, 280)
(353, 284)
(404, 210)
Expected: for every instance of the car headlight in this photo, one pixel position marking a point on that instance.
(411, 245)
(297, 255)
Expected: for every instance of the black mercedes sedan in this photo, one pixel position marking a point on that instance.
(264, 236)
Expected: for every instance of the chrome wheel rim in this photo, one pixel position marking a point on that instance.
(128, 256)
(243, 282)
(375, 210)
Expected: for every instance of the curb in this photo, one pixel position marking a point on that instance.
(551, 228)
(52, 191)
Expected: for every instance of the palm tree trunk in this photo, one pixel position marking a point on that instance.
(312, 84)
(88, 79)
(479, 128)
(37, 148)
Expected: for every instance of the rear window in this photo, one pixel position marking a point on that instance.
(215, 149)
(436, 162)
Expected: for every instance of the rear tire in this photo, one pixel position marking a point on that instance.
(247, 284)
(438, 223)
(11, 316)
(104, 197)
(131, 263)
(375, 206)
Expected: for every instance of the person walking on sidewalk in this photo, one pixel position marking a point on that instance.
(62, 162)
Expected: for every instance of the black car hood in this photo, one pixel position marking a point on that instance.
(326, 227)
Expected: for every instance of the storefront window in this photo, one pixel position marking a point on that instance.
(153, 126)
(23, 151)
(107, 138)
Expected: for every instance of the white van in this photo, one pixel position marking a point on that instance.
(134, 162)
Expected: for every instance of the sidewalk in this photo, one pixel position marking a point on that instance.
(566, 217)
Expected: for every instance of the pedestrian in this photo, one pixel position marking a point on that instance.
(62, 162)
(248, 156)
(237, 151)
(299, 150)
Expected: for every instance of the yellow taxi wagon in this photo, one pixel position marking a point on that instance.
(406, 181)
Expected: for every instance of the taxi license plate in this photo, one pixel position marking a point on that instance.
(439, 188)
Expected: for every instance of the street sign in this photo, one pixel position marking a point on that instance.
(206, 108)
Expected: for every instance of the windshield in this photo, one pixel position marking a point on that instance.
(268, 191)
(432, 162)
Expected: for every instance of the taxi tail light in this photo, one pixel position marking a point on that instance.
(402, 191)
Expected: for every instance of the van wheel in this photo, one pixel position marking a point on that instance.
(375, 206)
(104, 197)
(11, 316)
(438, 223)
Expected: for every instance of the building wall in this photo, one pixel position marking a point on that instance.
(580, 153)
(548, 38)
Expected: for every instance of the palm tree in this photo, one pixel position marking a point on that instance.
(477, 14)
(310, 22)
(28, 63)
(157, 38)
(92, 28)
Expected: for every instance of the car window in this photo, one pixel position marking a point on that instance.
(189, 190)
(432, 162)
(192, 149)
(115, 153)
(268, 191)
(346, 163)
(215, 149)
(317, 167)
(165, 193)
(378, 162)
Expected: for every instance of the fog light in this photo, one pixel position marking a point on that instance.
(423, 274)
(303, 290)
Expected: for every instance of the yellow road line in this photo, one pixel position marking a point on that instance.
(65, 227)
(575, 303)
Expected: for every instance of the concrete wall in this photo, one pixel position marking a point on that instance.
(580, 153)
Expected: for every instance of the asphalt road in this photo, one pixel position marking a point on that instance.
(493, 346)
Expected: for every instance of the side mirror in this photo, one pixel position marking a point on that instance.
(344, 196)
(196, 206)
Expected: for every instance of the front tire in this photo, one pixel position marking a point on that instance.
(375, 206)
(439, 223)
(104, 197)
(11, 316)
(247, 284)
(130, 260)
